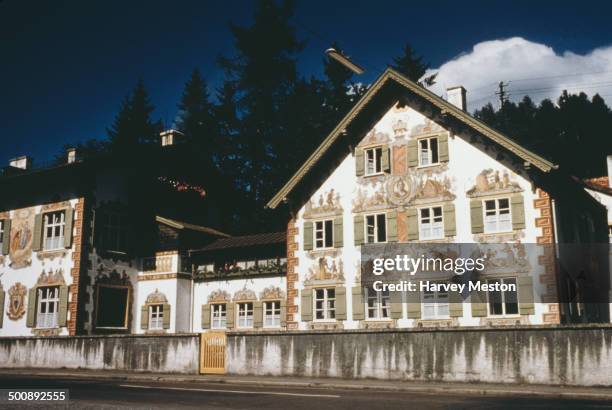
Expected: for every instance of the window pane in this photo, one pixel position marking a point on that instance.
(329, 240)
(504, 203)
(378, 160)
(433, 146)
(382, 228)
(490, 204)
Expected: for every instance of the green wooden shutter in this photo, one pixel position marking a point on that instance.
(392, 226)
(144, 317)
(206, 316)
(283, 317)
(167, 316)
(68, 217)
(306, 305)
(476, 216)
(359, 162)
(1, 306)
(358, 229)
(479, 303)
(455, 307)
(63, 306)
(257, 314)
(518, 211)
(413, 153)
(412, 223)
(397, 311)
(340, 303)
(414, 303)
(450, 228)
(308, 227)
(31, 315)
(338, 233)
(230, 316)
(6, 236)
(443, 148)
(358, 303)
(525, 295)
(385, 160)
(37, 239)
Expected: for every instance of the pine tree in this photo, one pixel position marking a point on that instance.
(263, 71)
(412, 66)
(196, 119)
(133, 125)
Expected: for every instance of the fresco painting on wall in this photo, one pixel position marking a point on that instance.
(21, 236)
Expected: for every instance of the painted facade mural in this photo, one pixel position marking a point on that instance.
(21, 237)
(448, 173)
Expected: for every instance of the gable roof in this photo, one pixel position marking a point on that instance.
(192, 227)
(391, 75)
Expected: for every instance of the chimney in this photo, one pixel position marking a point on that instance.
(23, 162)
(170, 137)
(457, 97)
(71, 155)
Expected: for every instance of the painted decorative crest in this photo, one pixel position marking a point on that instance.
(17, 295)
(272, 292)
(51, 278)
(491, 181)
(219, 296)
(156, 298)
(245, 294)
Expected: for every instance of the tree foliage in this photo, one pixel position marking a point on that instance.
(573, 132)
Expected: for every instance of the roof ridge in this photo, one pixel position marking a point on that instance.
(391, 74)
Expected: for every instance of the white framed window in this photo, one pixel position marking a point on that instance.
(54, 223)
(377, 304)
(375, 228)
(245, 315)
(428, 151)
(272, 313)
(373, 161)
(324, 234)
(325, 304)
(497, 216)
(435, 305)
(431, 224)
(2, 232)
(503, 303)
(48, 307)
(218, 316)
(156, 317)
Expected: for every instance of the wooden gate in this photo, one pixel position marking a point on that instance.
(212, 353)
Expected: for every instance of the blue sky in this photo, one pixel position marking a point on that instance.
(66, 65)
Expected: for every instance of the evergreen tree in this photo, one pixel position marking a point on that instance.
(263, 71)
(412, 66)
(572, 133)
(133, 125)
(196, 120)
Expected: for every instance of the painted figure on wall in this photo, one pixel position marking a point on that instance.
(21, 236)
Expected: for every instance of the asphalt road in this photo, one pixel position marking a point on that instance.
(86, 394)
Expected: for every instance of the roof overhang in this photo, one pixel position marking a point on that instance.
(393, 78)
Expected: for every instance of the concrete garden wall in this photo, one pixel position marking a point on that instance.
(577, 355)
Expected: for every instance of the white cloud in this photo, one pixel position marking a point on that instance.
(530, 68)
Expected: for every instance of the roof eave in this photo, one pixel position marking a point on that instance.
(541, 163)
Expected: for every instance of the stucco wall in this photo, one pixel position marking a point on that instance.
(541, 355)
(163, 354)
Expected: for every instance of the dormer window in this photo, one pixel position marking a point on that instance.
(373, 160)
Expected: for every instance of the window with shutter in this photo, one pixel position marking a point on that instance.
(428, 152)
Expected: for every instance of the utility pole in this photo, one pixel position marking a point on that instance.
(502, 93)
